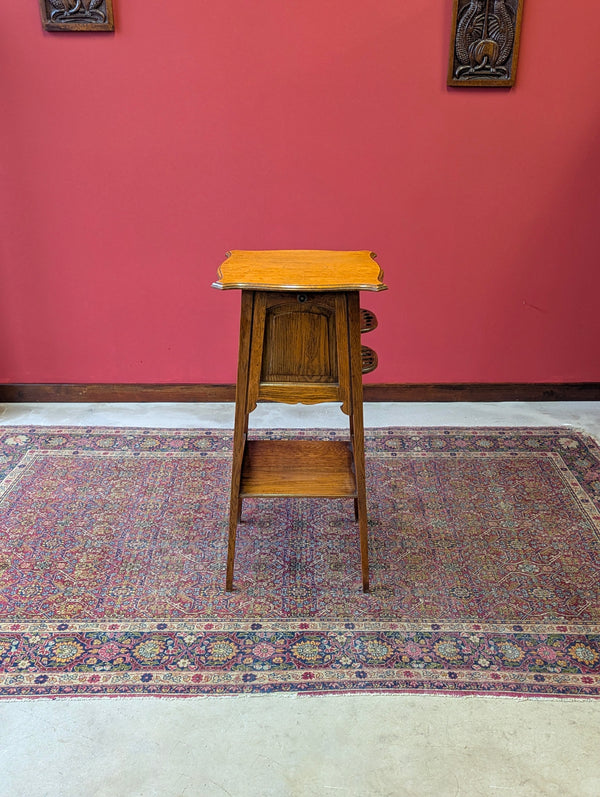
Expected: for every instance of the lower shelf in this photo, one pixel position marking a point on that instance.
(313, 468)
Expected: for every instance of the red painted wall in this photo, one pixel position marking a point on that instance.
(131, 163)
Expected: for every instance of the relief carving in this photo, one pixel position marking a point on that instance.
(485, 42)
(79, 15)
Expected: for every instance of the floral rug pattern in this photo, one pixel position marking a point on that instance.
(484, 553)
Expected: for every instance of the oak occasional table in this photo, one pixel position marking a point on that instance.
(300, 342)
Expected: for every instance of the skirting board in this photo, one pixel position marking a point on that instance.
(564, 391)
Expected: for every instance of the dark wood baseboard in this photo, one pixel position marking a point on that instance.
(545, 391)
(493, 391)
(121, 392)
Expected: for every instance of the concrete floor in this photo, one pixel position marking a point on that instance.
(288, 746)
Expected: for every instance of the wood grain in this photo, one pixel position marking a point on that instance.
(300, 270)
(290, 468)
(299, 392)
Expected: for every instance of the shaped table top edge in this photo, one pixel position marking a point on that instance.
(307, 270)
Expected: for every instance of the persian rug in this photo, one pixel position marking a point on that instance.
(485, 568)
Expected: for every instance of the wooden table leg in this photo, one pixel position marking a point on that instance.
(357, 431)
(240, 429)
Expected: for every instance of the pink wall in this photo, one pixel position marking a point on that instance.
(132, 162)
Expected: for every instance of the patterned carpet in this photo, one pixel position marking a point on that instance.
(485, 568)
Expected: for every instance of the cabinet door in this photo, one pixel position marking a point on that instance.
(300, 338)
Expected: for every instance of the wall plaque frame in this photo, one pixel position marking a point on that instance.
(77, 15)
(484, 48)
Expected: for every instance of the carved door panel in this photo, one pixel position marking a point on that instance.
(300, 339)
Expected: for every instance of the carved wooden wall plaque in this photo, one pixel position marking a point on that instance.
(80, 15)
(485, 42)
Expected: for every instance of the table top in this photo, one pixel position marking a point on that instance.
(300, 270)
